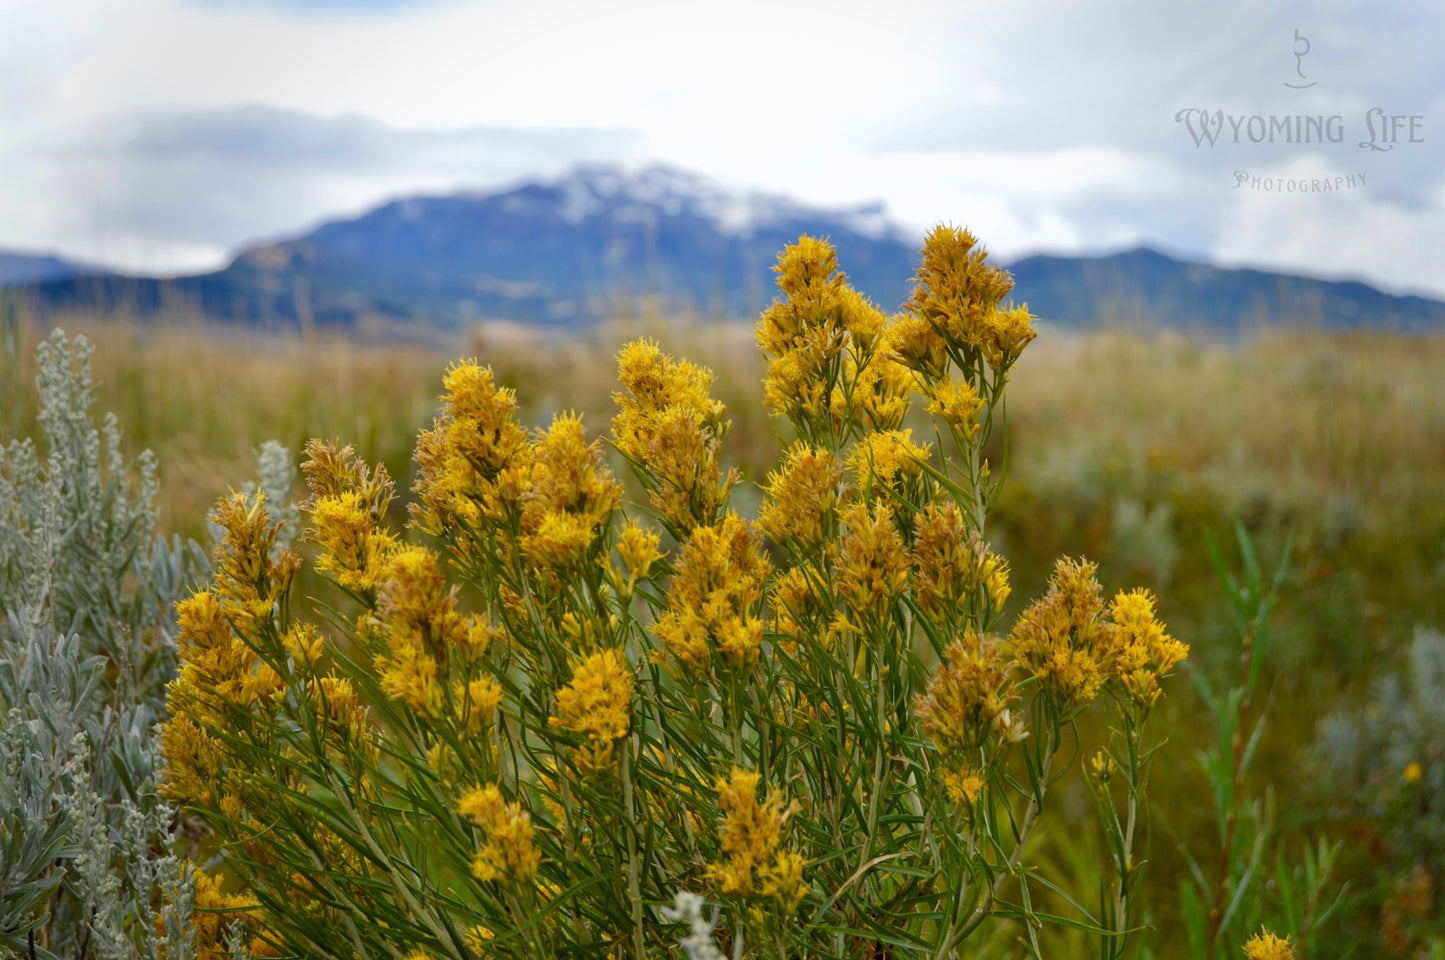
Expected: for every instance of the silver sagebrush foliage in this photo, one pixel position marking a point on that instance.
(87, 598)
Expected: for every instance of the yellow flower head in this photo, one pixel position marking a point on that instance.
(954, 570)
(799, 612)
(960, 295)
(872, 562)
(714, 596)
(751, 838)
(598, 704)
(1064, 639)
(638, 549)
(213, 915)
(473, 464)
(890, 457)
(958, 403)
(971, 690)
(963, 784)
(1413, 772)
(572, 498)
(917, 345)
(1146, 653)
(1266, 946)
(509, 856)
(801, 498)
(822, 339)
(354, 549)
(417, 619)
(671, 431)
(249, 575)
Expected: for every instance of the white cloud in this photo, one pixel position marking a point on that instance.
(1344, 233)
(1044, 124)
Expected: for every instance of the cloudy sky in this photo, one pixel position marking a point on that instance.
(163, 135)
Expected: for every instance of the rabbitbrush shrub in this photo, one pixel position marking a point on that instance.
(543, 726)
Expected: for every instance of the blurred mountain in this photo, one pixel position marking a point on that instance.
(1144, 288)
(23, 268)
(599, 242)
(584, 248)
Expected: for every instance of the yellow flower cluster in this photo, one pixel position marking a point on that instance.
(1266, 946)
(247, 580)
(1073, 645)
(963, 783)
(572, 498)
(429, 641)
(890, 458)
(347, 505)
(639, 550)
(598, 704)
(960, 295)
(872, 562)
(1064, 639)
(802, 496)
(213, 912)
(223, 680)
(342, 717)
(828, 348)
(1146, 652)
(957, 402)
(510, 856)
(952, 566)
(751, 839)
(671, 430)
(801, 612)
(474, 464)
(965, 700)
(714, 596)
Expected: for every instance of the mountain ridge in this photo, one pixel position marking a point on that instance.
(595, 242)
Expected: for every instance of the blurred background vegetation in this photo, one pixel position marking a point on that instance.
(1128, 448)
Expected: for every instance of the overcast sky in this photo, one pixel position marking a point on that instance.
(163, 135)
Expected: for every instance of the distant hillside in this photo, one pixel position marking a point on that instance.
(23, 268)
(595, 243)
(1143, 287)
(568, 252)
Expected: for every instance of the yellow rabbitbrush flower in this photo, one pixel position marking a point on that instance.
(799, 510)
(213, 914)
(890, 457)
(714, 597)
(424, 634)
(960, 295)
(572, 498)
(872, 563)
(250, 575)
(952, 564)
(1146, 652)
(347, 508)
(963, 784)
(1064, 639)
(474, 463)
(751, 839)
(970, 692)
(828, 359)
(958, 403)
(509, 856)
(639, 550)
(671, 431)
(353, 550)
(597, 704)
(1266, 946)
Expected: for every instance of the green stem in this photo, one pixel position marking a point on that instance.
(634, 879)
